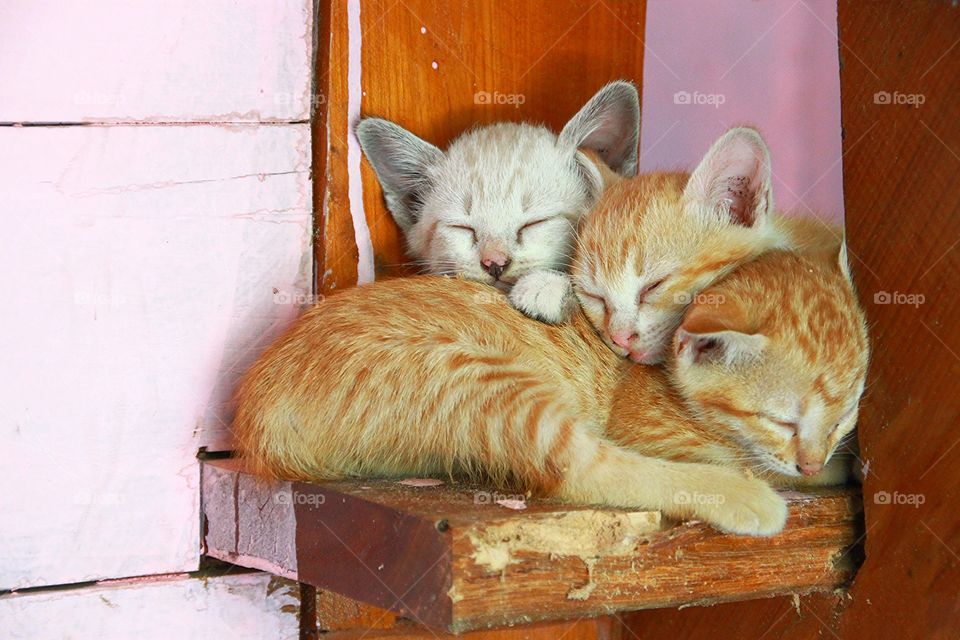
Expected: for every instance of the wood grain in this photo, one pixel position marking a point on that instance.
(450, 558)
(431, 67)
(903, 226)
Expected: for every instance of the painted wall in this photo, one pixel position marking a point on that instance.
(154, 173)
(712, 64)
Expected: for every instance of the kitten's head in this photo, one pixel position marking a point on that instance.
(504, 199)
(652, 243)
(777, 354)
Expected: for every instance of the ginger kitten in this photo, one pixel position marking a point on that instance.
(654, 242)
(769, 365)
(767, 379)
(504, 199)
(366, 384)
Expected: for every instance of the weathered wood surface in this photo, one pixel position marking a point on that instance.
(450, 557)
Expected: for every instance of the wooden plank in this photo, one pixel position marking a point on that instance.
(172, 61)
(247, 606)
(451, 558)
(900, 167)
(603, 628)
(142, 290)
(430, 67)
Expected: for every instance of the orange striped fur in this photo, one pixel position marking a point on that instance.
(441, 376)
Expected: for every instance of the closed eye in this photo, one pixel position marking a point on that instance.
(594, 298)
(647, 290)
(464, 227)
(530, 224)
(790, 426)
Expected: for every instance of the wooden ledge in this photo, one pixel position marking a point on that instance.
(452, 558)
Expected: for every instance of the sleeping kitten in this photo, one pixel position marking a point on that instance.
(655, 241)
(366, 384)
(463, 384)
(771, 361)
(504, 200)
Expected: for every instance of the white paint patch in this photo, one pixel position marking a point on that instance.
(421, 482)
(435, 64)
(361, 231)
(423, 29)
(247, 606)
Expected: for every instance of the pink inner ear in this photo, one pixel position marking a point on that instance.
(735, 173)
(704, 347)
(742, 195)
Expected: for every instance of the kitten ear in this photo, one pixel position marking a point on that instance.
(728, 347)
(610, 125)
(402, 162)
(719, 332)
(844, 262)
(733, 180)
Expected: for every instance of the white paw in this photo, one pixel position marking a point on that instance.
(734, 503)
(752, 508)
(544, 295)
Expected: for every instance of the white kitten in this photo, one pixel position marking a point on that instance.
(504, 200)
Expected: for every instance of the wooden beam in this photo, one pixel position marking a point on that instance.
(451, 558)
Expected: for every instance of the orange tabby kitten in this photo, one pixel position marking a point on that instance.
(767, 372)
(366, 383)
(653, 242)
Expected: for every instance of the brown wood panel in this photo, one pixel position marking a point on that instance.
(902, 195)
(436, 67)
(450, 558)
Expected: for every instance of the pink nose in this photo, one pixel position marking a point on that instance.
(809, 468)
(494, 263)
(622, 339)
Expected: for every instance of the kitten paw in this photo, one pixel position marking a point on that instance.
(744, 506)
(544, 295)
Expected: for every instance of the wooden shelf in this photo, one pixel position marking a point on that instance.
(452, 559)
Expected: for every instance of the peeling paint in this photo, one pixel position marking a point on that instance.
(582, 593)
(587, 535)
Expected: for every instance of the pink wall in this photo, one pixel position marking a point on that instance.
(773, 64)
